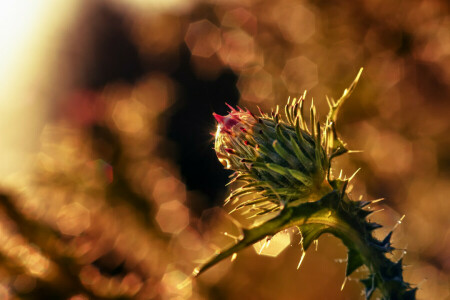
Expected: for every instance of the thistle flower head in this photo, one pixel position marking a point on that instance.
(280, 160)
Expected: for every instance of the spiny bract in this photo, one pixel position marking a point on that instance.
(283, 161)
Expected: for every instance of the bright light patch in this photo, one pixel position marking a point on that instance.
(273, 246)
(30, 40)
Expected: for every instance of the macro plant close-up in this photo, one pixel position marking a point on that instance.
(224, 149)
(286, 169)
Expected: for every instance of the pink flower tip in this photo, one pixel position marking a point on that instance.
(228, 121)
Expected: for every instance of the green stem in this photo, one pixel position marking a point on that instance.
(335, 216)
(248, 237)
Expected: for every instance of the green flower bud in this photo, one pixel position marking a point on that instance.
(281, 160)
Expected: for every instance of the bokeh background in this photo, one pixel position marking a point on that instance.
(110, 188)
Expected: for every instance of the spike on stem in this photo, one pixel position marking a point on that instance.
(301, 259)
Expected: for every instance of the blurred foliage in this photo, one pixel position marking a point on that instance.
(120, 191)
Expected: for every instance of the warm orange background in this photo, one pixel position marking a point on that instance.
(109, 184)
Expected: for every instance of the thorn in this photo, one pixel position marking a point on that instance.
(230, 107)
(231, 182)
(195, 272)
(230, 151)
(214, 247)
(260, 111)
(377, 211)
(301, 260)
(359, 74)
(377, 200)
(185, 282)
(365, 203)
(230, 236)
(219, 118)
(250, 217)
(233, 257)
(251, 114)
(277, 117)
(351, 177)
(344, 189)
(355, 151)
(398, 222)
(422, 282)
(373, 226)
(343, 284)
(263, 246)
(387, 239)
(329, 102)
(231, 212)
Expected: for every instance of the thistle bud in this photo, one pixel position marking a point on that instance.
(281, 160)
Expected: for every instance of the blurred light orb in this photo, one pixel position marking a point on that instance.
(155, 92)
(240, 18)
(273, 246)
(383, 148)
(89, 275)
(299, 74)
(296, 23)
(238, 49)
(36, 264)
(73, 219)
(127, 116)
(165, 33)
(132, 284)
(203, 38)
(169, 188)
(256, 86)
(176, 283)
(172, 217)
(190, 239)
(23, 284)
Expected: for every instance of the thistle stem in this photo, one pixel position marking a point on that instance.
(248, 237)
(332, 217)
